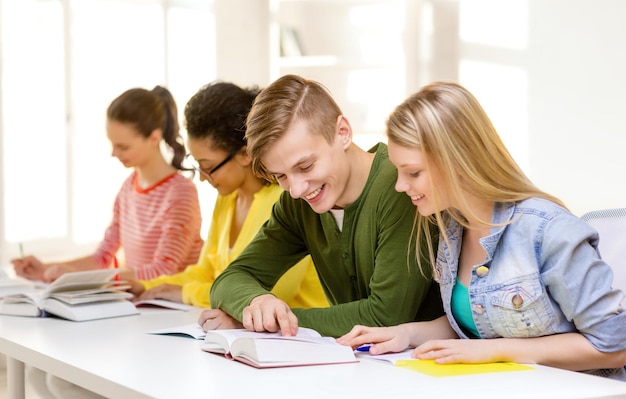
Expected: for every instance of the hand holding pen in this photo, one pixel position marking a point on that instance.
(32, 268)
(29, 267)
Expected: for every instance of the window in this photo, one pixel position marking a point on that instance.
(63, 61)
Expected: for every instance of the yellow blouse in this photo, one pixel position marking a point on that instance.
(299, 287)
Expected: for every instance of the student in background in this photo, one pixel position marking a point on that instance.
(215, 119)
(521, 277)
(336, 207)
(156, 217)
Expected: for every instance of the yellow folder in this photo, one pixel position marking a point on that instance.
(445, 370)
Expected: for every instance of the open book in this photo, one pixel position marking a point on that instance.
(17, 285)
(390, 358)
(163, 304)
(264, 349)
(188, 331)
(77, 296)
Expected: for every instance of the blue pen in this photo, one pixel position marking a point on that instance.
(363, 348)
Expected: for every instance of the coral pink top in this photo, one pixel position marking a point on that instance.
(157, 227)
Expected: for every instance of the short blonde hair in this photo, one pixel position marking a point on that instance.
(284, 101)
(448, 125)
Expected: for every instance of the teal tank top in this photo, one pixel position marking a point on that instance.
(461, 309)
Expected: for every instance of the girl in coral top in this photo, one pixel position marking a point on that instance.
(156, 217)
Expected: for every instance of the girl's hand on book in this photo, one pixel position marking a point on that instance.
(136, 288)
(380, 339)
(446, 351)
(168, 292)
(216, 319)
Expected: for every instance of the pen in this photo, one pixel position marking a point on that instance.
(21, 250)
(363, 348)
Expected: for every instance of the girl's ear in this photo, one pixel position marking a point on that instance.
(243, 157)
(155, 136)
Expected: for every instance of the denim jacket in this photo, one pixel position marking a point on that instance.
(543, 275)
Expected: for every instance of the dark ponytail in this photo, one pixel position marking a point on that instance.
(171, 127)
(150, 110)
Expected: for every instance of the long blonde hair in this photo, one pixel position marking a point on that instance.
(447, 124)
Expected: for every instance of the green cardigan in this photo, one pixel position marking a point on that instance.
(368, 273)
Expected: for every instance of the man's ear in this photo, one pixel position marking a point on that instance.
(344, 130)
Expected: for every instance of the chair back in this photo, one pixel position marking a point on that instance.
(611, 225)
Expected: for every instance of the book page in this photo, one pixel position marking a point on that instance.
(290, 351)
(90, 296)
(33, 298)
(13, 286)
(220, 341)
(165, 304)
(389, 358)
(83, 280)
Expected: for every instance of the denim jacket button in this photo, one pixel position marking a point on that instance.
(482, 271)
(517, 301)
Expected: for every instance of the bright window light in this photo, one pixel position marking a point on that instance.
(503, 93)
(494, 22)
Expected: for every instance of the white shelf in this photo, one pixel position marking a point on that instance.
(355, 48)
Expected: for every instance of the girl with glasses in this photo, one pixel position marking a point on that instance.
(215, 118)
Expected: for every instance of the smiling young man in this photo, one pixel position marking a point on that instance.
(340, 207)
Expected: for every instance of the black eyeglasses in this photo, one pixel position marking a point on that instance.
(208, 173)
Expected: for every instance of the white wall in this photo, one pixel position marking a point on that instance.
(242, 41)
(551, 74)
(577, 78)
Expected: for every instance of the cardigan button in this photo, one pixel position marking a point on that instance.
(517, 301)
(482, 271)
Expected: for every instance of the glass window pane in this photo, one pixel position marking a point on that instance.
(191, 51)
(59, 180)
(191, 65)
(34, 137)
(110, 54)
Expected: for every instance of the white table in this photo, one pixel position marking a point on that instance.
(116, 358)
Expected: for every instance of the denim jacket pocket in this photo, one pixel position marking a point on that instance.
(521, 308)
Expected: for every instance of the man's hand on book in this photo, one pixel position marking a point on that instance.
(216, 319)
(268, 313)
